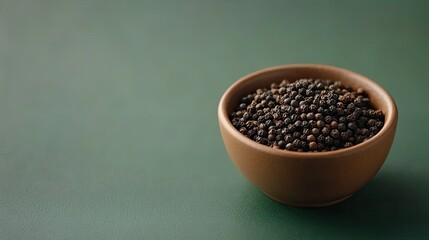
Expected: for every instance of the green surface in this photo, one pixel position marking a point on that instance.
(108, 124)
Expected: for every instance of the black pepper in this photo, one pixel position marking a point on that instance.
(307, 115)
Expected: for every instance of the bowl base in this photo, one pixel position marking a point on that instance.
(311, 205)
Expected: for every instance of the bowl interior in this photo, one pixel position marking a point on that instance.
(379, 98)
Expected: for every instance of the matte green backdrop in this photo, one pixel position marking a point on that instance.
(108, 124)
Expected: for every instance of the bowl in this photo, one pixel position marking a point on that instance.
(307, 179)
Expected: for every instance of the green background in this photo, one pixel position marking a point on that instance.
(108, 125)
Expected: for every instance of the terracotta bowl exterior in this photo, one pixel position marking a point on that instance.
(300, 178)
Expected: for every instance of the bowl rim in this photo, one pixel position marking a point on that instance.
(391, 114)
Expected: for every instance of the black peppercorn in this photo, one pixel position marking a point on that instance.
(352, 126)
(379, 124)
(341, 126)
(312, 145)
(294, 117)
(325, 131)
(320, 124)
(294, 103)
(365, 131)
(379, 114)
(328, 119)
(303, 108)
(351, 118)
(298, 123)
(335, 133)
(243, 130)
(262, 133)
(329, 140)
(311, 138)
(315, 131)
(296, 135)
(371, 122)
(305, 124)
(310, 116)
(288, 138)
(296, 143)
(251, 132)
(282, 144)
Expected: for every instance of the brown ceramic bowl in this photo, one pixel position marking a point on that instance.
(307, 179)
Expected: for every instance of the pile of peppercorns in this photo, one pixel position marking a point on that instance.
(307, 116)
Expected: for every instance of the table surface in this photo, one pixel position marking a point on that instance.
(108, 125)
